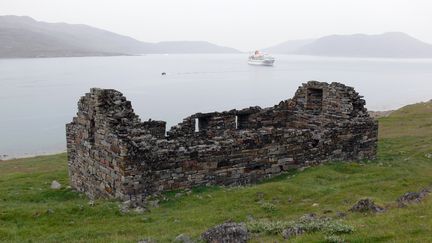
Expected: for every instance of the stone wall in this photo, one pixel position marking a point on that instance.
(112, 154)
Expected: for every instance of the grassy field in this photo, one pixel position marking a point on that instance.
(32, 212)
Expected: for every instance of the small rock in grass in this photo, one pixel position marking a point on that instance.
(179, 194)
(366, 205)
(412, 197)
(228, 232)
(124, 208)
(55, 185)
(183, 238)
(91, 203)
(139, 210)
(315, 205)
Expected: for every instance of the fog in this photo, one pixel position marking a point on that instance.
(242, 24)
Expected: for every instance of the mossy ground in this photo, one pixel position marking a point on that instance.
(32, 212)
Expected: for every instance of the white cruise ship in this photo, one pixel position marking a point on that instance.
(262, 59)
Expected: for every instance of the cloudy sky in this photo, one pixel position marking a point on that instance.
(243, 24)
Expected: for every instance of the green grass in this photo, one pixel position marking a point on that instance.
(31, 212)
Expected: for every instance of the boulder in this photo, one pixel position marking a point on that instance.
(55, 185)
(366, 205)
(139, 210)
(228, 232)
(412, 197)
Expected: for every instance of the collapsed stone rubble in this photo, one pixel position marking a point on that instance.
(366, 205)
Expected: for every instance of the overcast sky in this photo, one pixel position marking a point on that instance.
(242, 24)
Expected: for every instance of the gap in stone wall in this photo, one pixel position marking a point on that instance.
(197, 125)
(314, 99)
(242, 121)
(203, 123)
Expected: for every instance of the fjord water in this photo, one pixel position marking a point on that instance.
(39, 96)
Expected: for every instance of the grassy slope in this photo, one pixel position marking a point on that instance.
(405, 138)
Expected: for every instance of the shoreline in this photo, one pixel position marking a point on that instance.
(5, 157)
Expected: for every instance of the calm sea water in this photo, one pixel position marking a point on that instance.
(39, 96)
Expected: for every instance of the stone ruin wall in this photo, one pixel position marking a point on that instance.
(112, 154)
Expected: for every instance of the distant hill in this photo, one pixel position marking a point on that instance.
(26, 37)
(391, 44)
(190, 47)
(288, 46)
(22, 36)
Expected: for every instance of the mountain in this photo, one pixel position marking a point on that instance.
(392, 45)
(288, 46)
(190, 47)
(26, 37)
(22, 36)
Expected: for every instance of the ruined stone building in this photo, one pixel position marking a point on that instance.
(113, 154)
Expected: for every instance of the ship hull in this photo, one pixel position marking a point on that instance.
(261, 62)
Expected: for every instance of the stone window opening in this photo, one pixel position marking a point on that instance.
(92, 131)
(242, 121)
(196, 125)
(314, 99)
(201, 123)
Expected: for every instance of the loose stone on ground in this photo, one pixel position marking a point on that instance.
(366, 205)
(412, 197)
(228, 232)
(55, 185)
